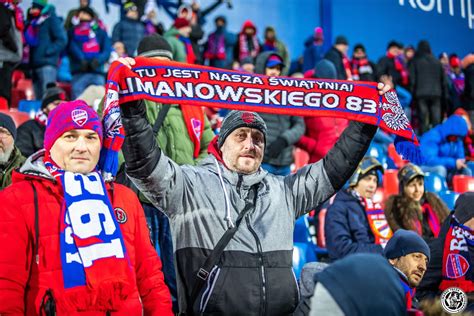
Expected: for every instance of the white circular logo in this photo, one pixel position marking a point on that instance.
(453, 300)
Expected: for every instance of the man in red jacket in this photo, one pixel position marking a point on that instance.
(72, 244)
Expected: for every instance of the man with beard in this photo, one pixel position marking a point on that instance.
(10, 156)
(409, 255)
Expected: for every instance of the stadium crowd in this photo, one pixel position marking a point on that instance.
(206, 212)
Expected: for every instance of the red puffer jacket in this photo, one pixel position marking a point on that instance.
(25, 277)
(321, 135)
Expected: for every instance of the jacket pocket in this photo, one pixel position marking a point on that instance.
(282, 291)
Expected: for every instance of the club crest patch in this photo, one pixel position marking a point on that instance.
(120, 215)
(79, 117)
(247, 117)
(456, 266)
(196, 124)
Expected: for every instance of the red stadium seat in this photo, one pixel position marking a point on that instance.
(463, 184)
(390, 182)
(321, 237)
(18, 117)
(22, 91)
(16, 76)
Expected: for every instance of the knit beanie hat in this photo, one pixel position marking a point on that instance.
(274, 60)
(405, 242)
(40, 3)
(52, 93)
(341, 40)
(7, 122)
(236, 119)
(154, 45)
(463, 210)
(325, 69)
(180, 22)
(68, 116)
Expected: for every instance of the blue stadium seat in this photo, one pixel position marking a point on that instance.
(302, 253)
(376, 151)
(435, 183)
(29, 106)
(449, 197)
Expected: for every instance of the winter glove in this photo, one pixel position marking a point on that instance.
(275, 148)
(84, 66)
(94, 64)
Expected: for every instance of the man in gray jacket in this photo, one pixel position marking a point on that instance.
(253, 276)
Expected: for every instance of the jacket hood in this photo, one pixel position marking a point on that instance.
(261, 62)
(247, 24)
(454, 125)
(423, 48)
(33, 166)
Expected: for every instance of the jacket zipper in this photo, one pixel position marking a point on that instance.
(239, 184)
(262, 268)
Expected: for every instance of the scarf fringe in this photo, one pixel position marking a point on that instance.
(408, 150)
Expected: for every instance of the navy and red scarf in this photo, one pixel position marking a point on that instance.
(85, 33)
(216, 47)
(400, 67)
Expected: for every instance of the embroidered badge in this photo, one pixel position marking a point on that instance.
(196, 124)
(247, 117)
(456, 266)
(79, 117)
(120, 215)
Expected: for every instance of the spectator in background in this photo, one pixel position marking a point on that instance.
(247, 65)
(469, 139)
(362, 68)
(46, 37)
(409, 255)
(313, 51)
(11, 46)
(10, 155)
(354, 222)
(178, 38)
(338, 56)
(321, 132)
(72, 18)
(89, 50)
(451, 254)
(189, 13)
(414, 208)
(220, 45)
(273, 44)
(392, 65)
(408, 54)
(31, 133)
(428, 86)
(455, 82)
(283, 131)
(468, 95)
(247, 42)
(150, 19)
(129, 30)
(443, 148)
(444, 60)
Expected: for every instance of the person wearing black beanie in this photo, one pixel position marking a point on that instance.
(409, 255)
(452, 254)
(31, 133)
(10, 156)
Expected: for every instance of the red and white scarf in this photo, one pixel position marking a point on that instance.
(244, 46)
(377, 221)
(400, 67)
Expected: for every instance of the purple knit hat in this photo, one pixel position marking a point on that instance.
(68, 116)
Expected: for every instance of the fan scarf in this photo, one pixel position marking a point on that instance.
(85, 35)
(215, 47)
(377, 221)
(190, 56)
(409, 292)
(17, 13)
(92, 248)
(177, 83)
(400, 68)
(433, 222)
(248, 46)
(457, 262)
(33, 26)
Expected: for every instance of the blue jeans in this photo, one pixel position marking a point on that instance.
(41, 77)
(160, 235)
(277, 170)
(80, 82)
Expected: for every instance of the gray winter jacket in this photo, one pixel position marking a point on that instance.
(254, 275)
(290, 128)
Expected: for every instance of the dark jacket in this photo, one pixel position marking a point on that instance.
(15, 161)
(30, 137)
(129, 32)
(347, 228)
(386, 66)
(52, 41)
(427, 78)
(11, 45)
(257, 261)
(402, 212)
(289, 128)
(436, 148)
(468, 93)
(335, 57)
(312, 54)
(77, 56)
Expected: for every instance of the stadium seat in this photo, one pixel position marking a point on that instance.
(321, 237)
(18, 117)
(396, 158)
(435, 183)
(463, 184)
(302, 253)
(390, 182)
(29, 106)
(16, 76)
(449, 197)
(376, 151)
(301, 158)
(22, 91)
